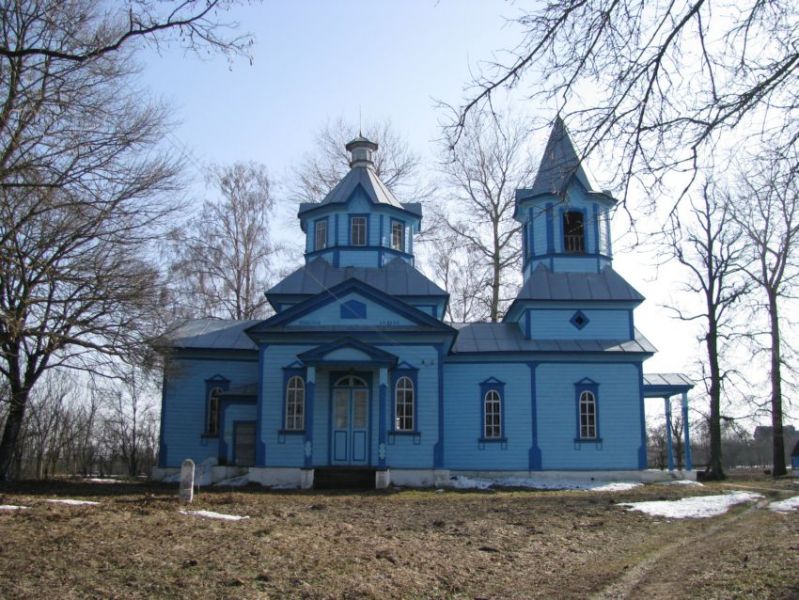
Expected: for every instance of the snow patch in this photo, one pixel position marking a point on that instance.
(72, 502)
(209, 514)
(683, 482)
(461, 482)
(615, 487)
(103, 480)
(12, 507)
(696, 507)
(786, 505)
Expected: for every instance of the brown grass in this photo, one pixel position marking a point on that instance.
(398, 544)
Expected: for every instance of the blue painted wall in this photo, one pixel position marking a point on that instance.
(551, 323)
(463, 417)
(619, 416)
(329, 315)
(183, 420)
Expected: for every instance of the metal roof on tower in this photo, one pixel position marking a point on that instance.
(607, 285)
(362, 173)
(397, 278)
(559, 164)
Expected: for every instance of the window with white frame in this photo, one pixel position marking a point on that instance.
(492, 415)
(358, 231)
(398, 236)
(587, 415)
(320, 235)
(295, 404)
(212, 413)
(403, 404)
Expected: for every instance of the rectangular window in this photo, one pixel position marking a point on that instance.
(320, 235)
(398, 236)
(573, 232)
(358, 231)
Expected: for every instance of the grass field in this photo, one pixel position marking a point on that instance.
(394, 544)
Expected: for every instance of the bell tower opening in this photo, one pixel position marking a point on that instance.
(573, 232)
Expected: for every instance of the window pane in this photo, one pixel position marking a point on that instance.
(587, 415)
(341, 408)
(320, 235)
(212, 424)
(404, 405)
(295, 404)
(398, 236)
(358, 231)
(359, 406)
(493, 415)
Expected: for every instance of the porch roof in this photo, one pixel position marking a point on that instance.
(664, 385)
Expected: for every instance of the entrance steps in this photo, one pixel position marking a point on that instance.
(344, 478)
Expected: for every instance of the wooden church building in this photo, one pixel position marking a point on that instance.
(357, 371)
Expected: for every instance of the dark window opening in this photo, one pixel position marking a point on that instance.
(573, 233)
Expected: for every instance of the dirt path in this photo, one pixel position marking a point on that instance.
(659, 576)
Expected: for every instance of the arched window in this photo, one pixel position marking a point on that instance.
(403, 404)
(587, 415)
(212, 412)
(295, 404)
(492, 415)
(573, 232)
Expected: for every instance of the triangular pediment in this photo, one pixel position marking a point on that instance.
(347, 351)
(351, 306)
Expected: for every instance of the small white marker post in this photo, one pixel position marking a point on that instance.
(187, 480)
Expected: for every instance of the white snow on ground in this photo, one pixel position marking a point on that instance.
(615, 487)
(683, 482)
(209, 514)
(786, 505)
(696, 507)
(103, 480)
(72, 502)
(12, 507)
(235, 481)
(461, 482)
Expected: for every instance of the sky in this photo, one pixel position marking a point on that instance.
(315, 61)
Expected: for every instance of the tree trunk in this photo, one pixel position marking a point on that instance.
(715, 469)
(16, 414)
(778, 441)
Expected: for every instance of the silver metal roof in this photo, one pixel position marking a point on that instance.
(667, 379)
(375, 189)
(544, 284)
(508, 337)
(559, 164)
(397, 278)
(216, 334)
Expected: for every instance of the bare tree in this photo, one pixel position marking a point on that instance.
(483, 172)
(767, 211)
(396, 165)
(83, 194)
(663, 81)
(130, 425)
(95, 30)
(710, 247)
(223, 258)
(456, 270)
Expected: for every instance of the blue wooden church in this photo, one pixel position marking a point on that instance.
(358, 372)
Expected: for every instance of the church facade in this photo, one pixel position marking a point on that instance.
(358, 371)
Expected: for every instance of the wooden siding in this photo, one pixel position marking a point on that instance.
(183, 420)
(556, 324)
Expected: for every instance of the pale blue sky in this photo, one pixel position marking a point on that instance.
(316, 60)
